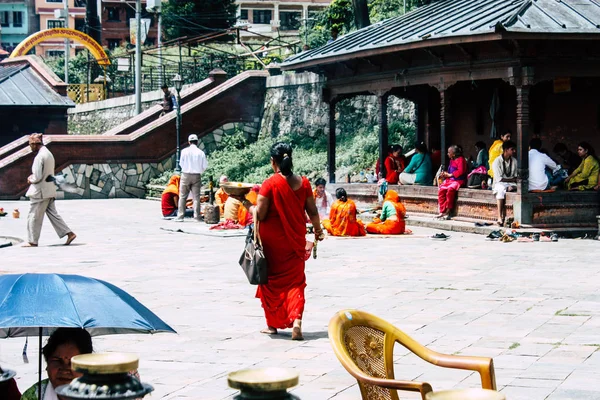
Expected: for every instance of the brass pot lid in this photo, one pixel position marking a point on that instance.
(466, 394)
(105, 363)
(263, 379)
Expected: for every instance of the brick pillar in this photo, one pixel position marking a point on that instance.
(382, 100)
(331, 142)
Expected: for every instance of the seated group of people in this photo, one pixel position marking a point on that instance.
(419, 171)
(339, 217)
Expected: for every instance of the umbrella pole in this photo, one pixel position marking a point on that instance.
(40, 367)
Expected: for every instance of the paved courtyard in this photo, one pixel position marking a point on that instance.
(533, 307)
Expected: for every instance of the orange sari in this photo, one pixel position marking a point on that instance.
(389, 226)
(168, 204)
(244, 217)
(342, 220)
(283, 235)
(220, 199)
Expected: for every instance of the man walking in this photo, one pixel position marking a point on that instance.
(42, 194)
(505, 177)
(193, 163)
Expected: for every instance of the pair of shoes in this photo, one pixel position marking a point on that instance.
(507, 239)
(554, 237)
(483, 223)
(440, 236)
(494, 235)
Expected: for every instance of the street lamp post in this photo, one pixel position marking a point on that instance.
(178, 82)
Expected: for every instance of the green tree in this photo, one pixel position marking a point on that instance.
(196, 17)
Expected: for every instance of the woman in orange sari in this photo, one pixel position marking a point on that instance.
(391, 221)
(342, 218)
(170, 197)
(283, 202)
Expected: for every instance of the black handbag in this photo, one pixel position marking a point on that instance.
(253, 260)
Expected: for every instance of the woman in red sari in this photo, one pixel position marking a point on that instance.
(283, 201)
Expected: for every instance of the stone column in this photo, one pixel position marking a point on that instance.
(275, 16)
(331, 142)
(523, 209)
(305, 13)
(444, 125)
(382, 100)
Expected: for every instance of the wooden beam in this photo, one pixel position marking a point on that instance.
(331, 142)
(382, 100)
(436, 56)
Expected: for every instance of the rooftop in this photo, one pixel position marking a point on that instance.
(456, 19)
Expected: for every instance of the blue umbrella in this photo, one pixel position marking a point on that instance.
(37, 304)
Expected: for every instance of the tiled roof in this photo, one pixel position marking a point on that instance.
(455, 18)
(20, 85)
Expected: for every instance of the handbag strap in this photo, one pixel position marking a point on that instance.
(255, 219)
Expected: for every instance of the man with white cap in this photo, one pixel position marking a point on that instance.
(42, 194)
(193, 163)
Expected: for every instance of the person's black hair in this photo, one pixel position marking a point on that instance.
(320, 181)
(481, 145)
(535, 144)
(509, 144)
(77, 336)
(164, 86)
(395, 147)
(282, 155)
(559, 148)
(506, 132)
(340, 194)
(588, 147)
(421, 148)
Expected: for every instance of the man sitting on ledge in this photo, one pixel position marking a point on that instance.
(539, 178)
(505, 177)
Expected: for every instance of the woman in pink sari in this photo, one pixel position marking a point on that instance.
(283, 201)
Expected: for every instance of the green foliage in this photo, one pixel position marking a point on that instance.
(384, 9)
(78, 67)
(196, 17)
(338, 15)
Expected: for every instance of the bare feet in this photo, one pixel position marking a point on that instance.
(440, 215)
(29, 245)
(70, 237)
(269, 330)
(297, 330)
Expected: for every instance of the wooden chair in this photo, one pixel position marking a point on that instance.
(364, 344)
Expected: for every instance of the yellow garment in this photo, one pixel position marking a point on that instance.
(231, 209)
(495, 152)
(245, 218)
(173, 185)
(342, 220)
(587, 170)
(220, 199)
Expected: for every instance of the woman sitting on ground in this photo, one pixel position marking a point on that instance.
(170, 198)
(391, 221)
(244, 217)
(418, 171)
(342, 218)
(220, 195)
(63, 344)
(585, 177)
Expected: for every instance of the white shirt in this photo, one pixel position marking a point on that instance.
(50, 393)
(537, 170)
(504, 169)
(324, 205)
(193, 160)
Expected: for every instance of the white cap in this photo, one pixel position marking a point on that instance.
(193, 137)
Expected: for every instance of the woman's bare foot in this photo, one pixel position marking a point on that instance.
(297, 330)
(70, 237)
(269, 330)
(29, 245)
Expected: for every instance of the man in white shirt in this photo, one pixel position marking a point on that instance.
(323, 199)
(193, 163)
(42, 194)
(505, 176)
(538, 162)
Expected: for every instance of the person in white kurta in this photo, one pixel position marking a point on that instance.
(505, 177)
(42, 195)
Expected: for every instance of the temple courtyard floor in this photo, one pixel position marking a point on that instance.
(533, 307)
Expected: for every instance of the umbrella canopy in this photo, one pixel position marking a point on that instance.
(29, 302)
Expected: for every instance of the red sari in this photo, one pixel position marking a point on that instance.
(283, 235)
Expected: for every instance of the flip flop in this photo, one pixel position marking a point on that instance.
(440, 236)
(70, 239)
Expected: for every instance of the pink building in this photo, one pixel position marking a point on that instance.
(46, 11)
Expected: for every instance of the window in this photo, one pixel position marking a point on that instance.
(113, 14)
(262, 16)
(113, 43)
(129, 13)
(290, 21)
(80, 3)
(55, 53)
(54, 1)
(80, 24)
(18, 18)
(244, 14)
(4, 18)
(55, 23)
(5, 45)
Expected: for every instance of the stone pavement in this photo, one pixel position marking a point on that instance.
(534, 307)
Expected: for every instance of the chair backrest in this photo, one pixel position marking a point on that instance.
(364, 344)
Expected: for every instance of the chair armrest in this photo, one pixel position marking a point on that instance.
(421, 387)
(483, 365)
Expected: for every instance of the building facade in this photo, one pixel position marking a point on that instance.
(15, 23)
(276, 18)
(116, 15)
(45, 9)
